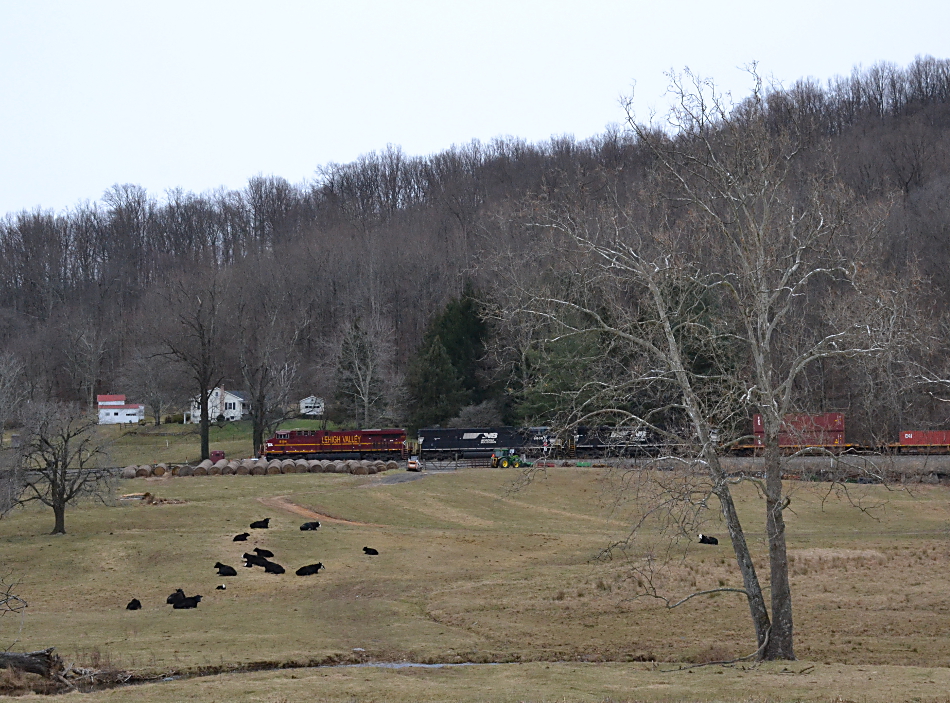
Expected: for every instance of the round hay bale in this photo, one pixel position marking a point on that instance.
(129, 471)
(271, 463)
(359, 470)
(186, 471)
(159, 470)
(380, 465)
(249, 463)
(233, 465)
(273, 470)
(221, 464)
(143, 471)
(391, 466)
(288, 466)
(230, 470)
(243, 470)
(258, 470)
(206, 464)
(200, 470)
(164, 468)
(216, 470)
(303, 466)
(315, 467)
(330, 468)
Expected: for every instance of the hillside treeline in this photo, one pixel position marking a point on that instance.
(368, 285)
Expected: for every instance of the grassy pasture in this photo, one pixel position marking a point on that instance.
(471, 571)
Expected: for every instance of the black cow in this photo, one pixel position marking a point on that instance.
(309, 526)
(134, 604)
(706, 539)
(175, 597)
(260, 524)
(370, 551)
(241, 537)
(187, 602)
(273, 567)
(225, 570)
(310, 569)
(263, 552)
(254, 560)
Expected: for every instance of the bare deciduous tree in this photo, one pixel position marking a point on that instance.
(701, 294)
(59, 459)
(192, 326)
(269, 329)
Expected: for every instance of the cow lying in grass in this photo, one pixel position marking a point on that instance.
(310, 569)
(225, 570)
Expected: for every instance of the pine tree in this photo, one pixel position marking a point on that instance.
(436, 388)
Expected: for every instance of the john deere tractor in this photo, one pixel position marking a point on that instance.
(508, 457)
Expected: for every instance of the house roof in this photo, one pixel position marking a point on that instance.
(110, 398)
(243, 395)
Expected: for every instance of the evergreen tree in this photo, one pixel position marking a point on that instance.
(435, 387)
(463, 333)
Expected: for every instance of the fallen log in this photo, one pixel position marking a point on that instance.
(44, 662)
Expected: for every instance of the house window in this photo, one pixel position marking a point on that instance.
(229, 406)
(116, 414)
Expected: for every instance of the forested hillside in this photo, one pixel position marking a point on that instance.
(369, 284)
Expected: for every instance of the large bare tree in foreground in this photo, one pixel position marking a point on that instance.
(701, 300)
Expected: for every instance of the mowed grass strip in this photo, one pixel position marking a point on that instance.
(468, 571)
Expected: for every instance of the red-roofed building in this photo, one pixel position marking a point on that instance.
(113, 410)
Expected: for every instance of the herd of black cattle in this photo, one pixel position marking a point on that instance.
(261, 557)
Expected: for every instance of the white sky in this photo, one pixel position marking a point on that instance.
(203, 94)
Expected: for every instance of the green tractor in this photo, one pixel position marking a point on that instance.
(508, 457)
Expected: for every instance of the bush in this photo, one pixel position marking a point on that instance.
(179, 419)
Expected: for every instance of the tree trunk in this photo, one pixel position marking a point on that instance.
(781, 641)
(59, 511)
(205, 426)
(750, 580)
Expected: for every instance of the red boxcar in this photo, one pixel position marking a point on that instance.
(824, 430)
(343, 444)
(938, 439)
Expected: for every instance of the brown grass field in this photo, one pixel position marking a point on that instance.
(471, 570)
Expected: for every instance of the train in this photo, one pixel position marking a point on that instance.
(823, 432)
(336, 444)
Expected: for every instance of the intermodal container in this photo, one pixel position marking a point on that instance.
(804, 424)
(924, 438)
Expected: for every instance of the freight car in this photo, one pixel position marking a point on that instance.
(798, 432)
(923, 442)
(345, 444)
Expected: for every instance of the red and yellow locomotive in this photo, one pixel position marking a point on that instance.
(342, 444)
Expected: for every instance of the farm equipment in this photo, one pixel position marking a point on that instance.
(508, 457)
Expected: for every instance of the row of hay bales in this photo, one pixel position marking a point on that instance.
(255, 467)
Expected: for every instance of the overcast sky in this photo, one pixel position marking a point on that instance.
(201, 95)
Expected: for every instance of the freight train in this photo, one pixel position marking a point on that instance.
(799, 433)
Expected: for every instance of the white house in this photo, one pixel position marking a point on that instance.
(232, 404)
(113, 410)
(311, 405)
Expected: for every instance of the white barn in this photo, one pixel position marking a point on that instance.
(233, 405)
(113, 410)
(311, 405)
